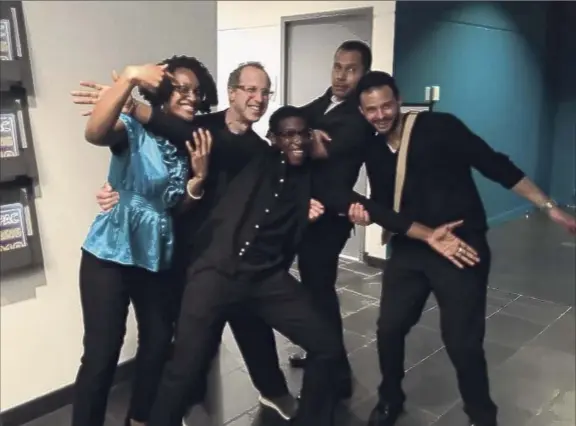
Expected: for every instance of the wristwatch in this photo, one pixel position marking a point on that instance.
(548, 205)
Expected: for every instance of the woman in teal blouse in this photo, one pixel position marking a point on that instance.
(128, 253)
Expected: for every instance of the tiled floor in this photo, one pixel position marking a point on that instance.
(530, 345)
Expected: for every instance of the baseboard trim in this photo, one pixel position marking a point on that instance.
(375, 262)
(53, 401)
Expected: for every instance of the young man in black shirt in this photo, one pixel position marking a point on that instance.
(241, 257)
(439, 187)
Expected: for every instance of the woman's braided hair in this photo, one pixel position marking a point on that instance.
(206, 84)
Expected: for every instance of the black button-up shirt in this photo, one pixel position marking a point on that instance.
(267, 251)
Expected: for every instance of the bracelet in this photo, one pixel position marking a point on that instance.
(548, 205)
(194, 197)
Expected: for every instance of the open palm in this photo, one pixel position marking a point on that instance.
(91, 97)
(451, 247)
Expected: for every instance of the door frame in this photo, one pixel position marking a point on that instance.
(285, 22)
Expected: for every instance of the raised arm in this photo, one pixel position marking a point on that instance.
(104, 128)
(177, 130)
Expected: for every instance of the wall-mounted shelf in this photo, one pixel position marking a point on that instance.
(15, 68)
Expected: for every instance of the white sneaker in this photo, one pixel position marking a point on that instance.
(286, 406)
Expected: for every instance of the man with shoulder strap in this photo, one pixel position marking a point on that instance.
(430, 181)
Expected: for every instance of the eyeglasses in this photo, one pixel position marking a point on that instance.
(253, 91)
(293, 134)
(187, 90)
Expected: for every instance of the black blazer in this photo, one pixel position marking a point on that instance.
(350, 134)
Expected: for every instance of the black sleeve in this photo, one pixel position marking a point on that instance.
(477, 153)
(176, 130)
(338, 202)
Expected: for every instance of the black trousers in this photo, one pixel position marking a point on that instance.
(255, 340)
(412, 272)
(257, 344)
(106, 290)
(210, 298)
(318, 266)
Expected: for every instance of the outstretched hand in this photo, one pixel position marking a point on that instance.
(564, 219)
(91, 97)
(451, 247)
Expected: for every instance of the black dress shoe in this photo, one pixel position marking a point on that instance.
(298, 360)
(385, 415)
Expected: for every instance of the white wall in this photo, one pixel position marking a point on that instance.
(71, 41)
(250, 30)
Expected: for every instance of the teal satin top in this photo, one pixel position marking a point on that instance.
(151, 178)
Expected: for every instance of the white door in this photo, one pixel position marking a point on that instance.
(309, 47)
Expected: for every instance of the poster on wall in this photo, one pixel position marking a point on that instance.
(14, 56)
(6, 46)
(17, 158)
(19, 242)
(8, 136)
(13, 227)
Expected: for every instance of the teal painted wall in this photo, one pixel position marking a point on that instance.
(492, 64)
(563, 85)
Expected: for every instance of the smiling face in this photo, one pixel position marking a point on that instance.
(249, 98)
(381, 108)
(185, 95)
(294, 138)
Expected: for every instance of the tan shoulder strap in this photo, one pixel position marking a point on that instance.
(402, 159)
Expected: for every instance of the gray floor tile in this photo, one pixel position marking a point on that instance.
(352, 302)
(526, 395)
(363, 322)
(544, 366)
(431, 385)
(511, 331)
(560, 336)
(534, 257)
(534, 310)
(561, 412)
(238, 394)
(366, 372)
(507, 416)
(370, 287)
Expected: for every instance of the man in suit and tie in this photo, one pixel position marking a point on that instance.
(337, 114)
